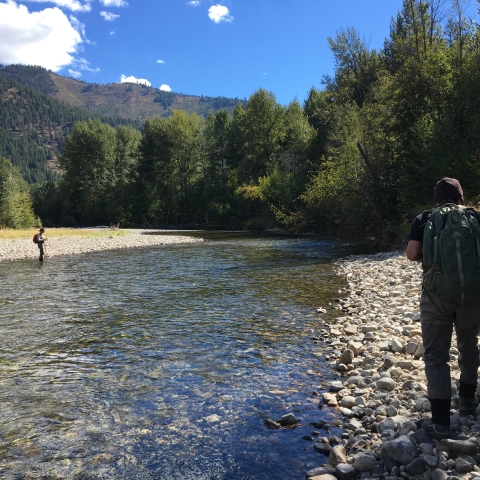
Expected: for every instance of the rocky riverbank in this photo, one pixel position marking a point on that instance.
(14, 249)
(375, 347)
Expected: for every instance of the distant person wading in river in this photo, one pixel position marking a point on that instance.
(40, 243)
(447, 241)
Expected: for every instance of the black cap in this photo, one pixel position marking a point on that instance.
(447, 189)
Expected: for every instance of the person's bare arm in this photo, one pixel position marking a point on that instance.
(414, 251)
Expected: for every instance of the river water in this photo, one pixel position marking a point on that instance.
(163, 363)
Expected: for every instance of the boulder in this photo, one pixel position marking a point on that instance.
(461, 446)
(287, 420)
(348, 401)
(363, 462)
(337, 455)
(344, 471)
(386, 384)
(401, 450)
(462, 466)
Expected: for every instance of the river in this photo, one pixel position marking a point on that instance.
(163, 363)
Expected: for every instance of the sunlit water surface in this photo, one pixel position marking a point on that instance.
(163, 363)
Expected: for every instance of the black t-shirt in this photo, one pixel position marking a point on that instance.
(418, 225)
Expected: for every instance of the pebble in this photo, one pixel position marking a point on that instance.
(380, 387)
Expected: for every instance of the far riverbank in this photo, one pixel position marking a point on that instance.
(19, 248)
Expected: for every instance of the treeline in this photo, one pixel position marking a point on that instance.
(33, 127)
(354, 158)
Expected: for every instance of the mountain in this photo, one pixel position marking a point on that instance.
(124, 100)
(33, 127)
(39, 108)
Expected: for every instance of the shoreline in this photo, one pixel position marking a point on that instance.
(23, 248)
(375, 348)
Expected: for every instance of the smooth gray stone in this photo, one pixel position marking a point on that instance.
(337, 455)
(323, 448)
(415, 467)
(314, 472)
(462, 466)
(401, 450)
(386, 384)
(363, 462)
(461, 446)
(438, 474)
(426, 448)
(344, 471)
(287, 420)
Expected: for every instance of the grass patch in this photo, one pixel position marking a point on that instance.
(61, 232)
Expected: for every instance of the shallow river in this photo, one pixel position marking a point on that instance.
(163, 363)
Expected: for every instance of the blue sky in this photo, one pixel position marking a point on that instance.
(228, 48)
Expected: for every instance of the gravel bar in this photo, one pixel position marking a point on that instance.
(15, 249)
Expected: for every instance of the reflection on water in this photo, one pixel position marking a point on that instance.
(163, 363)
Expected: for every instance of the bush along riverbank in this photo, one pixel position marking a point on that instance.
(375, 346)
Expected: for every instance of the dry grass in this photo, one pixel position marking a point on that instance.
(61, 232)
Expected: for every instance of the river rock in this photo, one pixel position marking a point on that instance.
(346, 357)
(344, 471)
(315, 472)
(337, 455)
(408, 427)
(461, 446)
(350, 330)
(269, 423)
(325, 476)
(415, 467)
(363, 462)
(430, 460)
(287, 420)
(401, 450)
(388, 361)
(438, 474)
(330, 399)
(323, 448)
(386, 384)
(462, 466)
(397, 346)
(348, 401)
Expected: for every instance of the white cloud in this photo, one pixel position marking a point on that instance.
(160, 61)
(132, 79)
(73, 5)
(165, 88)
(112, 32)
(109, 16)
(219, 13)
(194, 3)
(114, 3)
(82, 64)
(45, 38)
(74, 73)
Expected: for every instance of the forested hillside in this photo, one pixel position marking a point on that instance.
(33, 127)
(124, 100)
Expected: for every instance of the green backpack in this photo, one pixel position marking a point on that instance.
(451, 254)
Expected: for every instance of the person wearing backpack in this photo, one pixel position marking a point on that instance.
(39, 239)
(446, 240)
